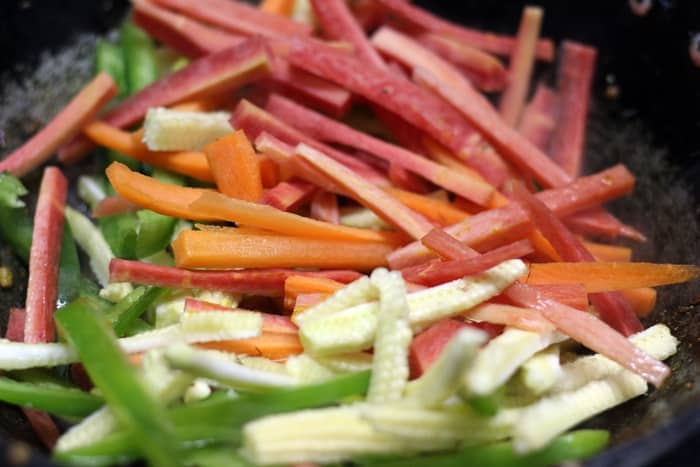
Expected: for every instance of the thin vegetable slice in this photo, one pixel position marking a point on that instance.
(81, 109)
(176, 130)
(235, 166)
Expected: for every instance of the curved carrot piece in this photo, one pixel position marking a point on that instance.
(604, 277)
(642, 300)
(297, 285)
(277, 7)
(192, 164)
(434, 209)
(603, 252)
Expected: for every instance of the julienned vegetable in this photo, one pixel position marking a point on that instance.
(270, 208)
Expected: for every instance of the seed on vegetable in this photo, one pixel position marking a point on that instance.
(6, 277)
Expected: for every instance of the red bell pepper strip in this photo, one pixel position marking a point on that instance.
(612, 306)
(238, 17)
(288, 195)
(593, 333)
(446, 245)
(337, 22)
(181, 33)
(64, 126)
(15, 325)
(325, 129)
(213, 74)
(576, 69)
(601, 223)
(510, 223)
(429, 344)
(267, 282)
(367, 194)
(42, 286)
(484, 71)
(324, 207)
(254, 120)
(490, 42)
(573, 295)
(539, 118)
(401, 97)
(522, 62)
(438, 272)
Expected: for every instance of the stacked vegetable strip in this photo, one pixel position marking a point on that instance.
(276, 285)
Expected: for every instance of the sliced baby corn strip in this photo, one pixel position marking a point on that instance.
(541, 422)
(360, 291)
(502, 356)
(90, 239)
(347, 363)
(319, 435)
(363, 218)
(542, 370)
(176, 130)
(92, 428)
(353, 329)
(262, 364)
(443, 378)
(306, 370)
(657, 341)
(392, 338)
(217, 326)
(222, 369)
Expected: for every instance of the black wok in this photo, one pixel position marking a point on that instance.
(653, 125)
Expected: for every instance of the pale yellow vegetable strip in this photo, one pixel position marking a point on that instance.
(359, 291)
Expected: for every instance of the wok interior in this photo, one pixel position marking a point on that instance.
(662, 207)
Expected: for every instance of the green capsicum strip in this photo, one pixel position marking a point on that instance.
(575, 445)
(118, 382)
(220, 418)
(155, 231)
(109, 58)
(54, 399)
(120, 233)
(69, 272)
(124, 314)
(140, 57)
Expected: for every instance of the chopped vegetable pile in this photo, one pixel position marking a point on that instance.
(317, 240)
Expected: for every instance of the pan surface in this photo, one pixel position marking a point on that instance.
(652, 126)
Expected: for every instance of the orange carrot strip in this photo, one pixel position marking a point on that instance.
(192, 164)
(434, 209)
(235, 167)
(603, 252)
(269, 172)
(149, 193)
(642, 300)
(217, 206)
(217, 250)
(277, 7)
(605, 277)
(298, 285)
(270, 345)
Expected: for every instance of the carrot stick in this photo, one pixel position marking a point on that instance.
(269, 172)
(603, 277)
(235, 167)
(277, 7)
(192, 164)
(603, 252)
(274, 346)
(435, 210)
(522, 62)
(64, 126)
(642, 300)
(218, 250)
(297, 285)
